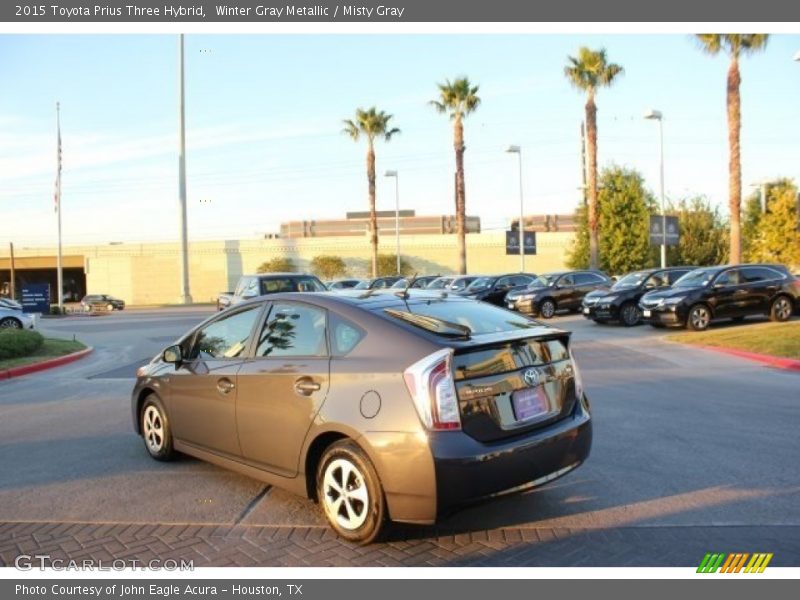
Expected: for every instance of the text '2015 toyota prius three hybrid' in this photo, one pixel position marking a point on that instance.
(380, 406)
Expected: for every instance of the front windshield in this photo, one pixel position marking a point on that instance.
(630, 280)
(461, 283)
(696, 278)
(481, 283)
(545, 280)
(363, 285)
(400, 283)
(439, 284)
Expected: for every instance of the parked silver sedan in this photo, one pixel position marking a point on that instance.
(12, 318)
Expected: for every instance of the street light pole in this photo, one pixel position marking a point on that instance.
(186, 297)
(655, 115)
(396, 176)
(518, 151)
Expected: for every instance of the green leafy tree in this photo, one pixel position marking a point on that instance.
(703, 235)
(625, 208)
(735, 45)
(588, 72)
(279, 264)
(776, 237)
(328, 267)
(372, 125)
(387, 265)
(458, 98)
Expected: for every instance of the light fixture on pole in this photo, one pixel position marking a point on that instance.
(518, 151)
(655, 115)
(396, 175)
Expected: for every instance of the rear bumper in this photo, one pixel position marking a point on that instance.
(468, 470)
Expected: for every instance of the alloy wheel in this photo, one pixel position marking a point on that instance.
(782, 309)
(631, 314)
(548, 309)
(699, 318)
(10, 324)
(345, 494)
(153, 426)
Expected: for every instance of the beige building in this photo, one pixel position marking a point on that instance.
(143, 274)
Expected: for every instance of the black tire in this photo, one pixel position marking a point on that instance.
(155, 428)
(629, 314)
(781, 309)
(367, 526)
(10, 323)
(547, 308)
(698, 317)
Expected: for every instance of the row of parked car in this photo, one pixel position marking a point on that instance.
(680, 296)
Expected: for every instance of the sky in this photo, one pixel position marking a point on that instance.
(264, 119)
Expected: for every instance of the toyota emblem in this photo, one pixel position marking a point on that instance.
(531, 377)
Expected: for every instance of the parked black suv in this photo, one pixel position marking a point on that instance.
(493, 288)
(554, 291)
(621, 302)
(726, 292)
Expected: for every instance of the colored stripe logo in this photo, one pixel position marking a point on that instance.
(736, 562)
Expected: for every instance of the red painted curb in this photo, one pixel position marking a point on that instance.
(767, 359)
(45, 364)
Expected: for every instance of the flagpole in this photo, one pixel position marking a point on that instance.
(58, 211)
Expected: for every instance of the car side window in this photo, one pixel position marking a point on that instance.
(566, 280)
(226, 337)
(277, 284)
(503, 283)
(586, 279)
(344, 335)
(728, 278)
(755, 274)
(673, 276)
(520, 280)
(293, 330)
(656, 280)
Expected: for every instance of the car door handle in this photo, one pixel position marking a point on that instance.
(305, 386)
(740, 292)
(225, 385)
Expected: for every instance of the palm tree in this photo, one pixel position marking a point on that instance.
(589, 71)
(372, 124)
(458, 98)
(734, 45)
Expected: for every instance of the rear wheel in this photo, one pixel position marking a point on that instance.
(630, 314)
(10, 323)
(781, 309)
(156, 429)
(547, 308)
(350, 493)
(699, 317)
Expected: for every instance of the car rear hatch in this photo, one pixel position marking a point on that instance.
(509, 387)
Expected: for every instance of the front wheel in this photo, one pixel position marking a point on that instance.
(156, 429)
(10, 323)
(547, 309)
(699, 318)
(350, 493)
(781, 309)
(630, 314)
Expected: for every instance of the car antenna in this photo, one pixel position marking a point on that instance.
(409, 283)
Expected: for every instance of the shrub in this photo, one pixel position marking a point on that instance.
(328, 267)
(19, 342)
(279, 264)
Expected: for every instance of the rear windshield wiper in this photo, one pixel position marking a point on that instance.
(438, 326)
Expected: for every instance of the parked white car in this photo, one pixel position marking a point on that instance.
(13, 318)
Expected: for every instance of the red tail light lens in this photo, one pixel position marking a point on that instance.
(430, 383)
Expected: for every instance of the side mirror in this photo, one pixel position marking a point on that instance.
(172, 355)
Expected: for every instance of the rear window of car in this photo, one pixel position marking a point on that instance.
(460, 317)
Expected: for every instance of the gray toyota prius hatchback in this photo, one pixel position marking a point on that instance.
(390, 405)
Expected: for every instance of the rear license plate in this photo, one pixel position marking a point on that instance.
(647, 313)
(529, 403)
(586, 310)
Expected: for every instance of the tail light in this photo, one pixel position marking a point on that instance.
(430, 383)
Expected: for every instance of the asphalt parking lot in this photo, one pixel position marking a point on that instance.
(694, 451)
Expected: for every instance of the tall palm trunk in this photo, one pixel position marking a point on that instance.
(373, 215)
(458, 143)
(591, 137)
(735, 161)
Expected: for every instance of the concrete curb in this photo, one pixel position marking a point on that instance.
(44, 365)
(767, 359)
